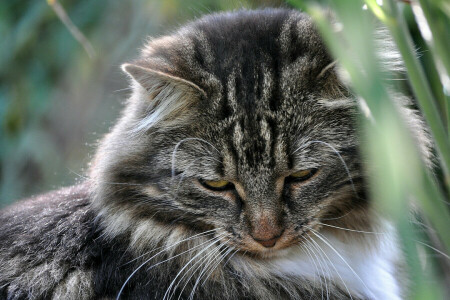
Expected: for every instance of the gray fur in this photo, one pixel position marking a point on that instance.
(249, 97)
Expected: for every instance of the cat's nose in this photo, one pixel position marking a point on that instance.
(268, 243)
(266, 228)
(267, 236)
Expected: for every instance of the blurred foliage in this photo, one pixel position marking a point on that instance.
(399, 179)
(56, 102)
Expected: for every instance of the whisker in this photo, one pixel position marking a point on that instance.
(107, 182)
(124, 89)
(322, 275)
(323, 239)
(173, 245)
(174, 280)
(206, 259)
(352, 230)
(205, 267)
(334, 267)
(210, 262)
(340, 158)
(327, 67)
(287, 290)
(327, 277)
(433, 248)
(182, 176)
(167, 293)
(223, 256)
(174, 153)
(304, 247)
(237, 250)
(148, 260)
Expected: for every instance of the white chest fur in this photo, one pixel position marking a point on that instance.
(366, 270)
(364, 265)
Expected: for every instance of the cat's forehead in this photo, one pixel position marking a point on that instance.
(261, 72)
(246, 55)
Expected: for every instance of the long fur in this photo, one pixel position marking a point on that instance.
(250, 97)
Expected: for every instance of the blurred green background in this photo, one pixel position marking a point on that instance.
(55, 101)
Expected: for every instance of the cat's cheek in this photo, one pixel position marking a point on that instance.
(152, 190)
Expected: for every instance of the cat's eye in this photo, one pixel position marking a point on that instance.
(216, 185)
(301, 175)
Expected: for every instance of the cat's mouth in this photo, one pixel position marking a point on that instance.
(291, 237)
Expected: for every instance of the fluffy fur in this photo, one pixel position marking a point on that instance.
(249, 97)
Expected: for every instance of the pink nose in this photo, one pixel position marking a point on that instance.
(266, 230)
(268, 243)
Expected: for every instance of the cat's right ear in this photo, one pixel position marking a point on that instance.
(171, 97)
(155, 81)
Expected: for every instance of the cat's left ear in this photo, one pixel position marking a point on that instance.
(154, 80)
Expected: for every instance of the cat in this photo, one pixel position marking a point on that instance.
(234, 172)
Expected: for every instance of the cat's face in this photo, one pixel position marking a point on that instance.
(263, 177)
(238, 123)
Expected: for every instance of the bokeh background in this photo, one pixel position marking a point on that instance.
(55, 101)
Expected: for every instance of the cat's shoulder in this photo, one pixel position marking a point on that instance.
(49, 207)
(39, 222)
(43, 238)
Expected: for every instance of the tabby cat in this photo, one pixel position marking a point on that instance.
(234, 172)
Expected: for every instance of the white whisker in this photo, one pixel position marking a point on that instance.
(174, 153)
(433, 248)
(148, 260)
(327, 276)
(226, 252)
(304, 246)
(334, 267)
(177, 243)
(185, 266)
(182, 176)
(203, 260)
(323, 239)
(352, 230)
(124, 89)
(206, 266)
(340, 158)
(322, 275)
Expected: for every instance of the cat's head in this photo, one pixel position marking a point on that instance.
(238, 123)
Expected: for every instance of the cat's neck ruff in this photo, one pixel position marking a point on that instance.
(363, 265)
(364, 271)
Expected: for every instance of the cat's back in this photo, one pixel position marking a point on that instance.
(44, 214)
(45, 241)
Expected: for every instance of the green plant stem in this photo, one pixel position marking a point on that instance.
(399, 173)
(374, 92)
(431, 201)
(420, 86)
(440, 45)
(447, 110)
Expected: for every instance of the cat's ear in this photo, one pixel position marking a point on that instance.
(171, 97)
(154, 80)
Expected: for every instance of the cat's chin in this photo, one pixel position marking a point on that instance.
(268, 253)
